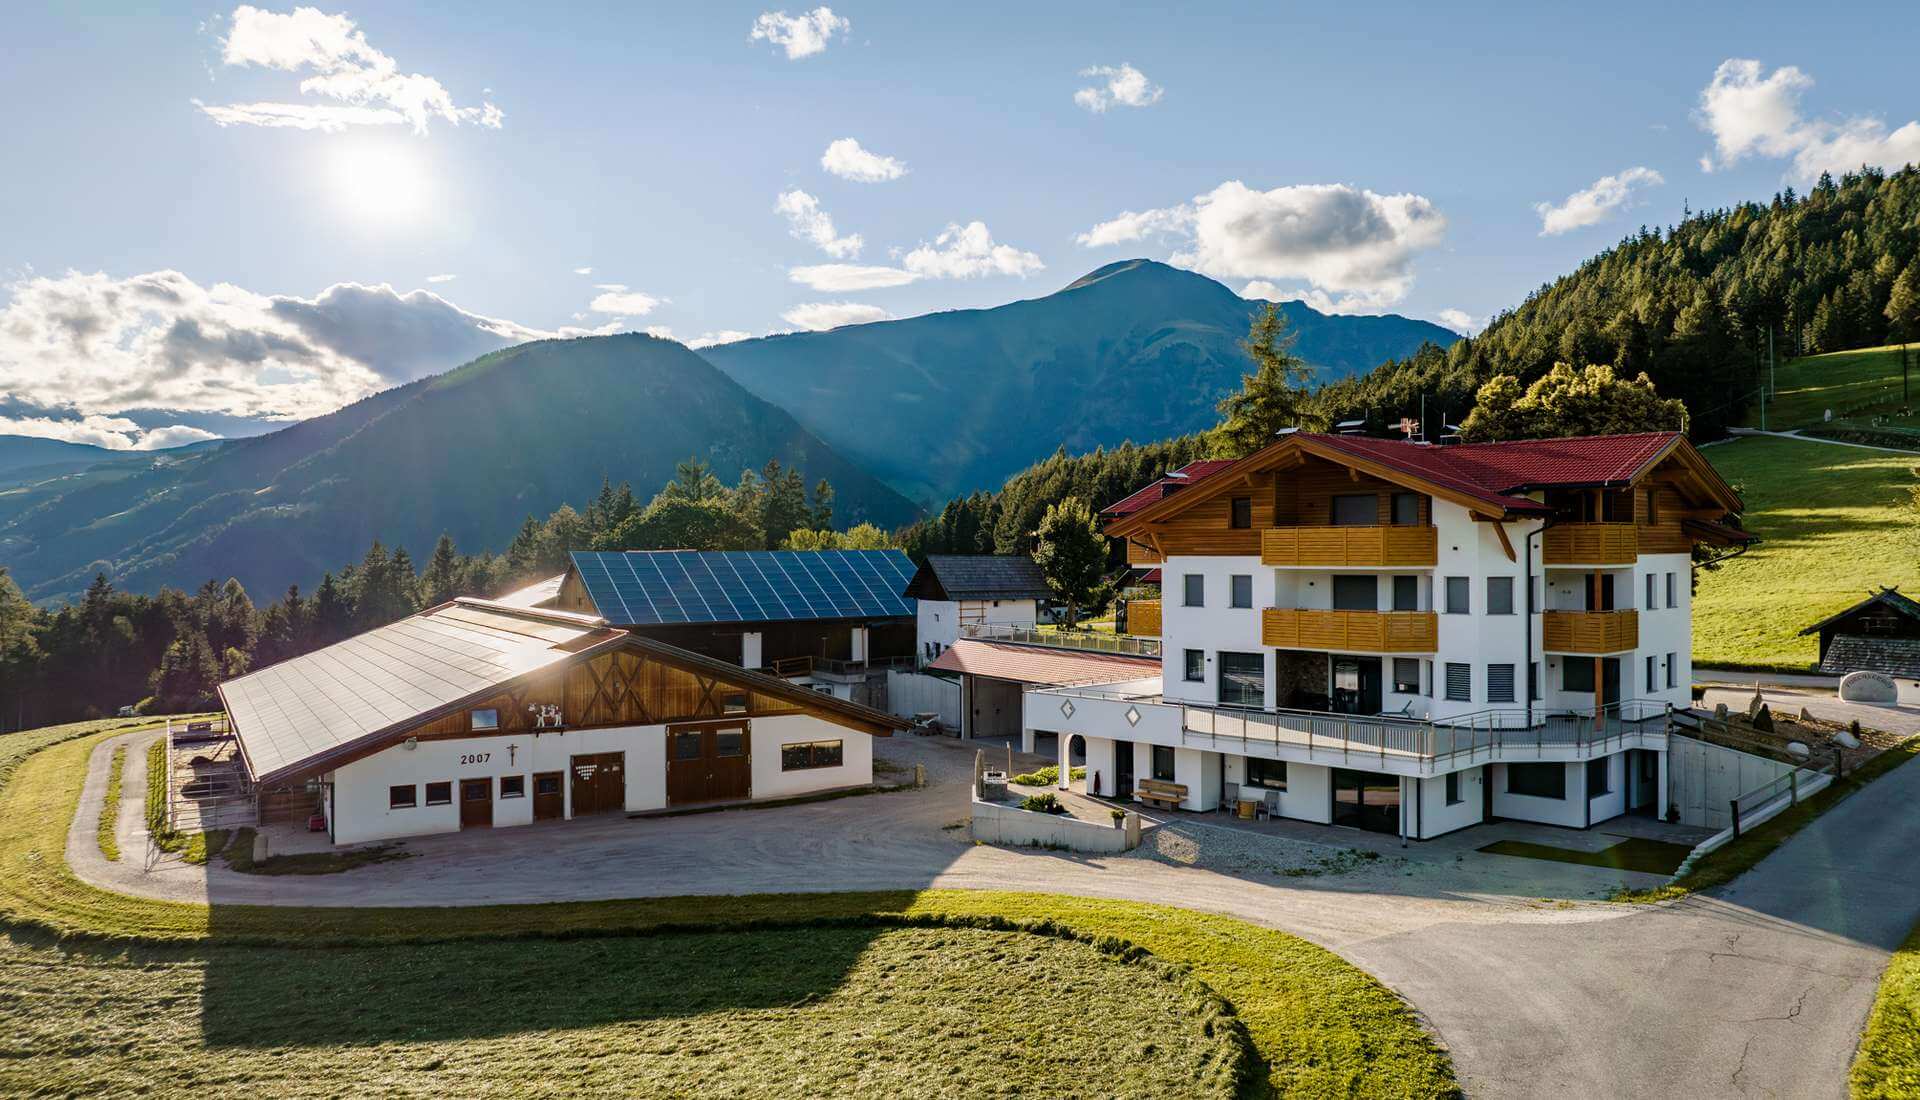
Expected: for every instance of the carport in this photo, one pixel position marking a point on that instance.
(994, 677)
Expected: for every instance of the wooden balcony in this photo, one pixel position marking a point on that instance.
(1591, 544)
(1407, 546)
(1590, 631)
(1350, 631)
(1143, 618)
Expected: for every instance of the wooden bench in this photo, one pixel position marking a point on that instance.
(1157, 792)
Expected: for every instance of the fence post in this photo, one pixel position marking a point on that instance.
(1734, 803)
(1793, 787)
(1839, 764)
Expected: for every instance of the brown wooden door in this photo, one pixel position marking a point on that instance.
(549, 797)
(476, 803)
(599, 782)
(708, 764)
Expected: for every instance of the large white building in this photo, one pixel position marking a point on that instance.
(1407, 637)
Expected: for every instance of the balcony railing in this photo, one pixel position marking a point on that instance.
(1143, 618)
(1093, 641)
(1591, 544)
(1350, 631)
(1482, 733)
(1589, 631)
(1406, 546)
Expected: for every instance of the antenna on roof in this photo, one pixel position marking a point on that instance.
(1286, 431)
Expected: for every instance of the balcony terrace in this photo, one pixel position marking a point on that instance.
(1589, 632)
(1590, 544)
(1407, 546)
(1350, 631)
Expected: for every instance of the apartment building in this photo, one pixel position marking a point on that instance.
(1411, 638)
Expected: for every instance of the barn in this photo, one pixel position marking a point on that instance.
(479, 714)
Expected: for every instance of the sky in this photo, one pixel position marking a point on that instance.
(219, 219)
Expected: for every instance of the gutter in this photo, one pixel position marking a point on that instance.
(1530, 611)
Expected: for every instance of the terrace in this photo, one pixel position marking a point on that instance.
(1087, 641)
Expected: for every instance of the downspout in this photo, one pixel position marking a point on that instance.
(1531, 611)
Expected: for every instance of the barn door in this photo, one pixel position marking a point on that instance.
(710, 763)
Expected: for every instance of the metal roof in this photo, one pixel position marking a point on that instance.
(653, 587)
(290, 712)
(978, 577)
(1029, 664)
(537, 594)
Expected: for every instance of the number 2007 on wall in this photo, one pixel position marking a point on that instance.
(474, 757)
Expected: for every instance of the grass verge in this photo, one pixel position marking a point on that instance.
(1836, 523)
(109, 831)
(1888, 1062)
(1726, 863)
(239, 856)
(1654, 857)
(1320, 1026)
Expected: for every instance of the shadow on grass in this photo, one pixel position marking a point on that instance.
(1654, 857)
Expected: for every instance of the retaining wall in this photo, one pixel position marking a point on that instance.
(1005, 823)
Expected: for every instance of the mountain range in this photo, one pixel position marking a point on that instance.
(894, 414)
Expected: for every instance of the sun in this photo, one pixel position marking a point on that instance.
(379, 179)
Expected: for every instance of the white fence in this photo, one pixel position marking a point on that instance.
(1005, 823)
(911, 693)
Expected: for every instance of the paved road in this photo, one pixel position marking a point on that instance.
(1795, 434)
(1759, 991)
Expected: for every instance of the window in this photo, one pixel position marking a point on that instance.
(1196, 590)
(1537, 780)
(733, 703)
(1241, 590)
(1243, 680)
(1271, 774)
(1653, 505)
(1406, 676)
(802, 755)
(1671, 602)
(1163, 763)
(1456, 596)
(686, 745)
(546, 784)
(1406, 509)
(1653, 671)
(1459, 683)
(440, 794)
(1499, 683)
(1673, 672)
(1356, 510)
(1427, 679)
(730, 743)
(1653, 597)
(1576, 674)
(402, 798)
(1453, 789)
(1356, 593)
(1196, 671)
(513, 786)
(1240, 513)
(1599, 777)
(1499, 595)
(476, 790)
(1406, 593)
(486, 718)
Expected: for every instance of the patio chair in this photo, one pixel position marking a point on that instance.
(1269, 806)
(1229, 797)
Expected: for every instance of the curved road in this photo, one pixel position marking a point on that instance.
(1760, 990)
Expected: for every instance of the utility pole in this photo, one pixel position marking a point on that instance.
(1770, 388)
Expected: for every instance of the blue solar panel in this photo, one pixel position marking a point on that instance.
(647, 587)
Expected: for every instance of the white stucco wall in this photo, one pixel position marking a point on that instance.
(1614, 802)
(769, 734)
(1212, 627)
(1308, 793)
(1435, 817)
(1570, 811)
(938, 621)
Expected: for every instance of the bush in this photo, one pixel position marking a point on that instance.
(1047, 776)
(1043, 804)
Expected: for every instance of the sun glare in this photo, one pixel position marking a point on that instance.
(381, 180)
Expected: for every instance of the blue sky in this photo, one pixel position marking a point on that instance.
(172, 264)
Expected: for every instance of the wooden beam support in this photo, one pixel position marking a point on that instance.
(1505, 543)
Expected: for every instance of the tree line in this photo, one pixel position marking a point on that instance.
(166, 653)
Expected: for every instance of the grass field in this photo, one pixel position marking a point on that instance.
(108, 833)
(1317, 1025)
(1848, 382)
(1835, 521)
(1888, 1062)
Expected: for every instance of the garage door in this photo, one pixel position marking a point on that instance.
(599, 782)
(708, 764)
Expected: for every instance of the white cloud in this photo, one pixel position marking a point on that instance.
(366, 85)
(820, 316)
(1593, 204)
(807, 222)
(1750, 112)
(583, 271)
(115, 433)
(441, 278)
(617, 298)
(1124, 85)
(967, 252)
(1354, 248)
(723, 336)
(92, 344)
(801, 35)
(1460, 321)
(840, 278)
(846, 159)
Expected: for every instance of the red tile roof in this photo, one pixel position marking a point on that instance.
(1029, 664)
(1193, 472)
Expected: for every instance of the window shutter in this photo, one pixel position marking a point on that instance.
(1459, 682)
(1499, 683)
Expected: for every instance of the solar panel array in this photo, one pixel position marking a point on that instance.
(649, 587)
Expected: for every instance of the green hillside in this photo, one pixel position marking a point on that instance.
(1836, 521)
(1858, 386)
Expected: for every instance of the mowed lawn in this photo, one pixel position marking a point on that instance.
(1836, 521)
(1805, 388)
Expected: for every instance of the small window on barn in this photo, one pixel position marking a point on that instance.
(734, 703)
(513, 786)
(485, 718)
(686, 745)
(403, 797)
(1241, 513)
(730, 743)
(546, 784)
(440, 794)
(805, 755)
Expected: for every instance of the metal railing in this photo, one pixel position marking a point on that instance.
(1092, 641)
(1424, 740)
(1789, 783)
(789, 667)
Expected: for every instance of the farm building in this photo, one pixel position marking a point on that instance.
(958, 594)
(478, 714)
